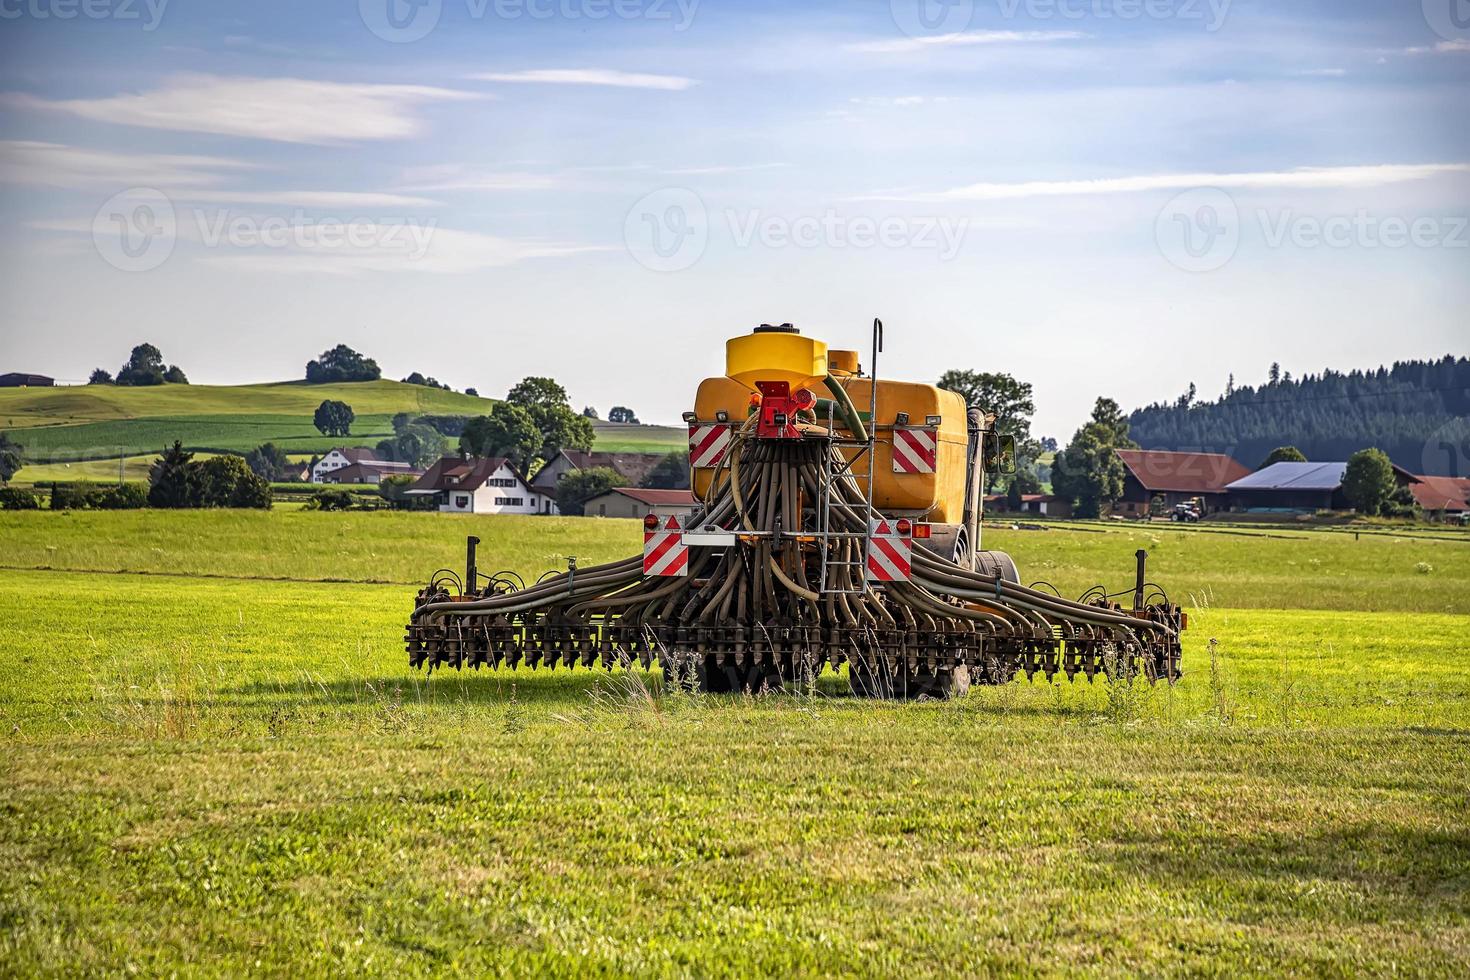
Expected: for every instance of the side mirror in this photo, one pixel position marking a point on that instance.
(1000, 455)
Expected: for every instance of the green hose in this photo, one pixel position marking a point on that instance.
(849, 411)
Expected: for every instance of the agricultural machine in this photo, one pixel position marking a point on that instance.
(822, 535)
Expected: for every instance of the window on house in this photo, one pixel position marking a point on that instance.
(510, 501)
(602, 510)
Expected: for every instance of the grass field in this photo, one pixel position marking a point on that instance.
(238, 774)
(103, 422)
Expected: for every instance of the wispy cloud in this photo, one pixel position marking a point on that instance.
(59, 165)
(1458, 46)
(458, 177)
(590, 76)
(720, 169)
(288, 110)
(308, 199)
(963, 39)
(1304, 178)
(1322, 72)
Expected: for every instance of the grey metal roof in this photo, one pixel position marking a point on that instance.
(1293, 476)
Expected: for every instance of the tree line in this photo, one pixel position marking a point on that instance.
(1415, 411)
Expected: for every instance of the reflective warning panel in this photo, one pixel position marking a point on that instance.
(708, 443)
(914, 450)
(890, 552)
(664, 551)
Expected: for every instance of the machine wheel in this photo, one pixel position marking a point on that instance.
(730, 679)
(998, 562)
(870, 681)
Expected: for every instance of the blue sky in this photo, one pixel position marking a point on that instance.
(1099, 197)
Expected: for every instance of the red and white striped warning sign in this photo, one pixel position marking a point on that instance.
(664, 551)
(890, 554)
(914, 450)
(708, 442)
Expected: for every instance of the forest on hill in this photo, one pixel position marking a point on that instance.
(1416, 411)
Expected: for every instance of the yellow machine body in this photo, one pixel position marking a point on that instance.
(938, 497)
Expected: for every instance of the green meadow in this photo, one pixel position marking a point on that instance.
(104, 422)
(216, 762)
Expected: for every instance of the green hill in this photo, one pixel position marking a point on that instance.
(95, 422)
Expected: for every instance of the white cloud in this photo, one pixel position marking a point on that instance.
(309, 199)
(288, 110)
(1458, 46)
(899, 101)
(58, 165)
(1323, 72)
(590, 76)
(457, 177)
(1303, 178)
(963, 39)
(721, 169)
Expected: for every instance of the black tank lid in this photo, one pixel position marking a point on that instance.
(773, 328)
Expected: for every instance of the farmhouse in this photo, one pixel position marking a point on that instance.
(1289, 487)
(19, 379)
(1043, 504)
(1442, 496)
(636, 502)
(1177, 478)
(633, 467)
(354, 464)
(475, 485)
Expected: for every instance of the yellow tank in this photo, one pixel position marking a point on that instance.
(938, 497)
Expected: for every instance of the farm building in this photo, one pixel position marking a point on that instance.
(1442, 496)
(637, 502)
(1043, 504)
(357, 465)
(633, 467)
(20, 379)
(475, 485)
(1177, 478)
(1299, 487)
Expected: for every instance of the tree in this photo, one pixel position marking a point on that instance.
(1023, 482)
(145, 367)
(1009, 400)
(416, 445)
(560, 427)
(508, 430)
(225, 481)
(619, 413)
(12, 457)
(579, 486)
(334, 418)
(1048, 444)
(269, 462)
(472, 392)
(342, 363)
(172, 480)
(1368, 482)
(1274, 375)
(1283, 454)
(588, 412)
(175, 375)
(671, 473)
(394, 489)
(418, 379)
(99, 377)
(1088, 471)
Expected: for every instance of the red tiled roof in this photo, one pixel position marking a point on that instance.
(1442, 492)
(658, 498)
(1174, 472)
(459, 473)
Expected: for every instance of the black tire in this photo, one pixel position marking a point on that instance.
(993, 562)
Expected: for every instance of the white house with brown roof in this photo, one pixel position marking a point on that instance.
(356, 464)
(633, 467)
(475, 485)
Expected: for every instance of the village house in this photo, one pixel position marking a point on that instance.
(20, 379)
(355, 464)
(476, 485)
(1442, 497)
(1175, 478)
(633, 467)
(639, 503)
(1295, 487)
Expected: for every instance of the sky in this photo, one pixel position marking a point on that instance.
(1100, 197)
